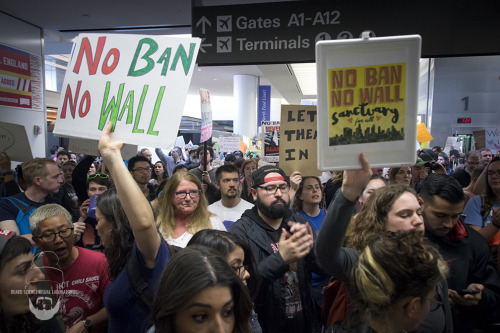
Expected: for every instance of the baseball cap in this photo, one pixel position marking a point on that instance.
(5, 236)
(230, 158)
(261, 175)
(421, 162)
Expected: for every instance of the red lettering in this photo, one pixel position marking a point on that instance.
(86, 100)
(69, 98)
(116, 56)
(87, 49)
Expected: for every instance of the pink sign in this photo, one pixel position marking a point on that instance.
(206, 115)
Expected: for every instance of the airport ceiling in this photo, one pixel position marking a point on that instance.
(63, 20)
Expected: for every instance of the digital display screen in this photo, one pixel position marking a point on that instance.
(464, 120)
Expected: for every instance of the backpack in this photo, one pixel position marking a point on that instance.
(23, 216)
(335, 302)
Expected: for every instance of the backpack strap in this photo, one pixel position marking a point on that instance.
(21, 205)
(139, 286)
(485, 209)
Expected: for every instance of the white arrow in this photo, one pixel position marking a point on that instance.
(206, 45)
(203, 21)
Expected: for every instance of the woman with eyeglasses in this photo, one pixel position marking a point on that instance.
(184, 210)
(128, 230)
(19, 279)
(394, 282)
(483, 211)
(238, 255)
(391, 208)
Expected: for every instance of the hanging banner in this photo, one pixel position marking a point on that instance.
(298, 144)
(137, 82)
(367, 101)
(20, 79)
(264, 104)
(206, 115)
(270, 140)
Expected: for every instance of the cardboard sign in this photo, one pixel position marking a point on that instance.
(423, 134)
(367, 101)
(139, 83)
(14, 141)
(298, 144)
(206, 115)
(270, 140)
(228, 144)
(90, 147)
(492, 138)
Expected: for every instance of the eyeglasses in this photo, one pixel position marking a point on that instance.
(100, 175)
(142, 170)
(492, 173)
(182, 194)
(272, 189)
(51, 236)
(237, 269)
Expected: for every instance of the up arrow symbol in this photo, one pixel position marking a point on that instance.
(203, 21)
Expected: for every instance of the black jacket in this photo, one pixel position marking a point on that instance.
(469, 260)
(269, 303)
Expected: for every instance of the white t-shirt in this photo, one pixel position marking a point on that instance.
(183, 239)
(229, 215)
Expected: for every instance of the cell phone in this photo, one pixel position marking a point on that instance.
(467, 292)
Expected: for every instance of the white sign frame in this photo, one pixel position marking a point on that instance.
(368, 52)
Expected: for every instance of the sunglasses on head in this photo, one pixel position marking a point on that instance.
(100, 175)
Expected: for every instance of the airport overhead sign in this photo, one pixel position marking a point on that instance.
(284, 32)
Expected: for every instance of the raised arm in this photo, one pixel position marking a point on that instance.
(134, 203)
(332, 257)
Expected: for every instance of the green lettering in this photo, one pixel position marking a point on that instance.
(112, 106)
(186, 61)
(155, 112)
(165, 58)
(139, 110)
(153, 47)
(129, 106)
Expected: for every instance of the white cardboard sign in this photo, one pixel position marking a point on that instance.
(367, 101)
(137, 82)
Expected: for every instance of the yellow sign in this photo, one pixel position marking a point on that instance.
(366, 104)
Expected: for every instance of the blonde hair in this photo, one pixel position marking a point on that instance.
(393, 267)
(36, 168)
(166, 216)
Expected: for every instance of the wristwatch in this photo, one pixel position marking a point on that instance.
(87, 323)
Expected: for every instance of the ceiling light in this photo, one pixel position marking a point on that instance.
(306, 77)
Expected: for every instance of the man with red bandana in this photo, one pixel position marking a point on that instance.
(474, 285)
(281, 244)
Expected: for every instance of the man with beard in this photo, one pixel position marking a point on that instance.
(230, 208)
(281, 244)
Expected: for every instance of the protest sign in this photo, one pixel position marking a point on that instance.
(298, 144)
(367, 101)
(90, 147)
(206, 115)
(137, 82)
(271, 140)
(229, 144)
(14, 141)
(492, 139)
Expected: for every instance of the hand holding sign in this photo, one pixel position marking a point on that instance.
(107, 146)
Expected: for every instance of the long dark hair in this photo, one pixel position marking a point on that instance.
(224, 243)
(297, 202)
(26, 322)
(121, 239)
(189, 272)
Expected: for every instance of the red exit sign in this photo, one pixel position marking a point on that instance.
(464, 120)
